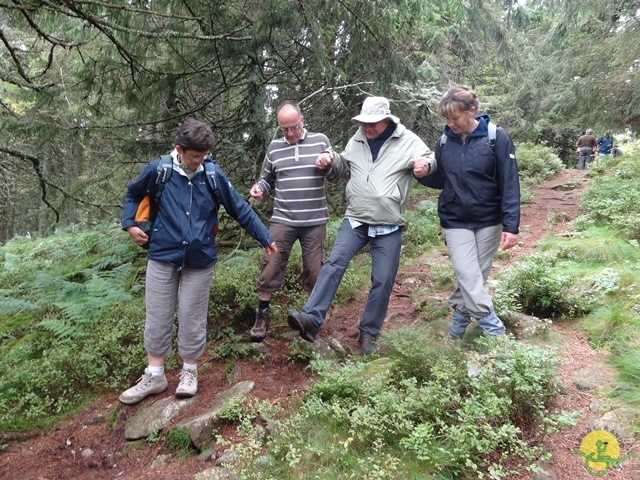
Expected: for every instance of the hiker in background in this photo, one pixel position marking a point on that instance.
(605, 144)
(299, 208)
(616, 151)
(181, 256)
(479, 206)
(379, 162)
(585, 147)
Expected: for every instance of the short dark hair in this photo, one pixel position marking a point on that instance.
(195, 135)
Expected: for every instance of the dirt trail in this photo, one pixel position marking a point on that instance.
(85, 448)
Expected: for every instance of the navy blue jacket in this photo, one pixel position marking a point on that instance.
(604, 144)
(183, 229)
(480, 188)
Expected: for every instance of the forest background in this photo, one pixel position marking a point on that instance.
(90, 91)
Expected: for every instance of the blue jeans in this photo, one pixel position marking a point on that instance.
(385, 259)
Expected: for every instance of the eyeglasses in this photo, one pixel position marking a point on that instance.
(289, 129)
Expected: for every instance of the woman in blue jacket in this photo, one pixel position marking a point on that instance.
(182, 255)
(479, 207)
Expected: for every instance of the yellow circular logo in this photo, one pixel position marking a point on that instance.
(600, 444)
(600, 450)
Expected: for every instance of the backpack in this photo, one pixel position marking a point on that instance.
(148, 207)
(492, 127)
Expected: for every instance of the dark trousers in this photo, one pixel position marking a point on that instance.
(385, 259)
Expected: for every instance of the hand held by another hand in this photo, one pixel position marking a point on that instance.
(420, 167)
(324, 160)
(256, 192)
(271, 249)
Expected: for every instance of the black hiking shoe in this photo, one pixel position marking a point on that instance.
(303, 324)
(367, 343)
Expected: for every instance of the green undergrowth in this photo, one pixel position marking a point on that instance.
(419, 410)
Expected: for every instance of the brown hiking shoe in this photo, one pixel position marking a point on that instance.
(259, 331)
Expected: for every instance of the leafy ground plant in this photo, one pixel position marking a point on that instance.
(421, 411)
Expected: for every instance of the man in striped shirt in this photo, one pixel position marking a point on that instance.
(299, 207)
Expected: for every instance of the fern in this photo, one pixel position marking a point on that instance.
(59, 327)
(11, 306)
(239, 258)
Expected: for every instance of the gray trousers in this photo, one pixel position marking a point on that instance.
(584, 157)
(188, 288)
(471, 253)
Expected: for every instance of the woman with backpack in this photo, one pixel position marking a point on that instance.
(181, 253)
(479, 206)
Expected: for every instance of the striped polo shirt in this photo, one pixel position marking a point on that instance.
(296, 184)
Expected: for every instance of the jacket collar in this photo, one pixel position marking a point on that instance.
(482, 130)
(360, 136)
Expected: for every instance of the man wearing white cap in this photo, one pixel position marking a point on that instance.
(379, 162)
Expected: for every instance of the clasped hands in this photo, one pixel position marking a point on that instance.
(324, 160)
(420, 165)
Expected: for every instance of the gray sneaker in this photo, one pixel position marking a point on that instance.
(188, 385)
(147, 385)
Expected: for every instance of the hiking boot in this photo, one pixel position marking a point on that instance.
(450, 340)
(188, 385)
(303, 324)
(147, 385)
(367, 343)
(259, 331)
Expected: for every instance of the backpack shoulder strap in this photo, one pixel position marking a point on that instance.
(165, 167)
(443, 140)
(210, 171)
(493, 128)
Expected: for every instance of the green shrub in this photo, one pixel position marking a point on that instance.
(532, 286)
(227, 345)
(67, 324)
(423, 228)
(596, 245)
(233, 291)
(300, 351)
(179, 440)
(234, 410)
(536, 163)
(422, 412)
(612, 201)
(443, 278)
